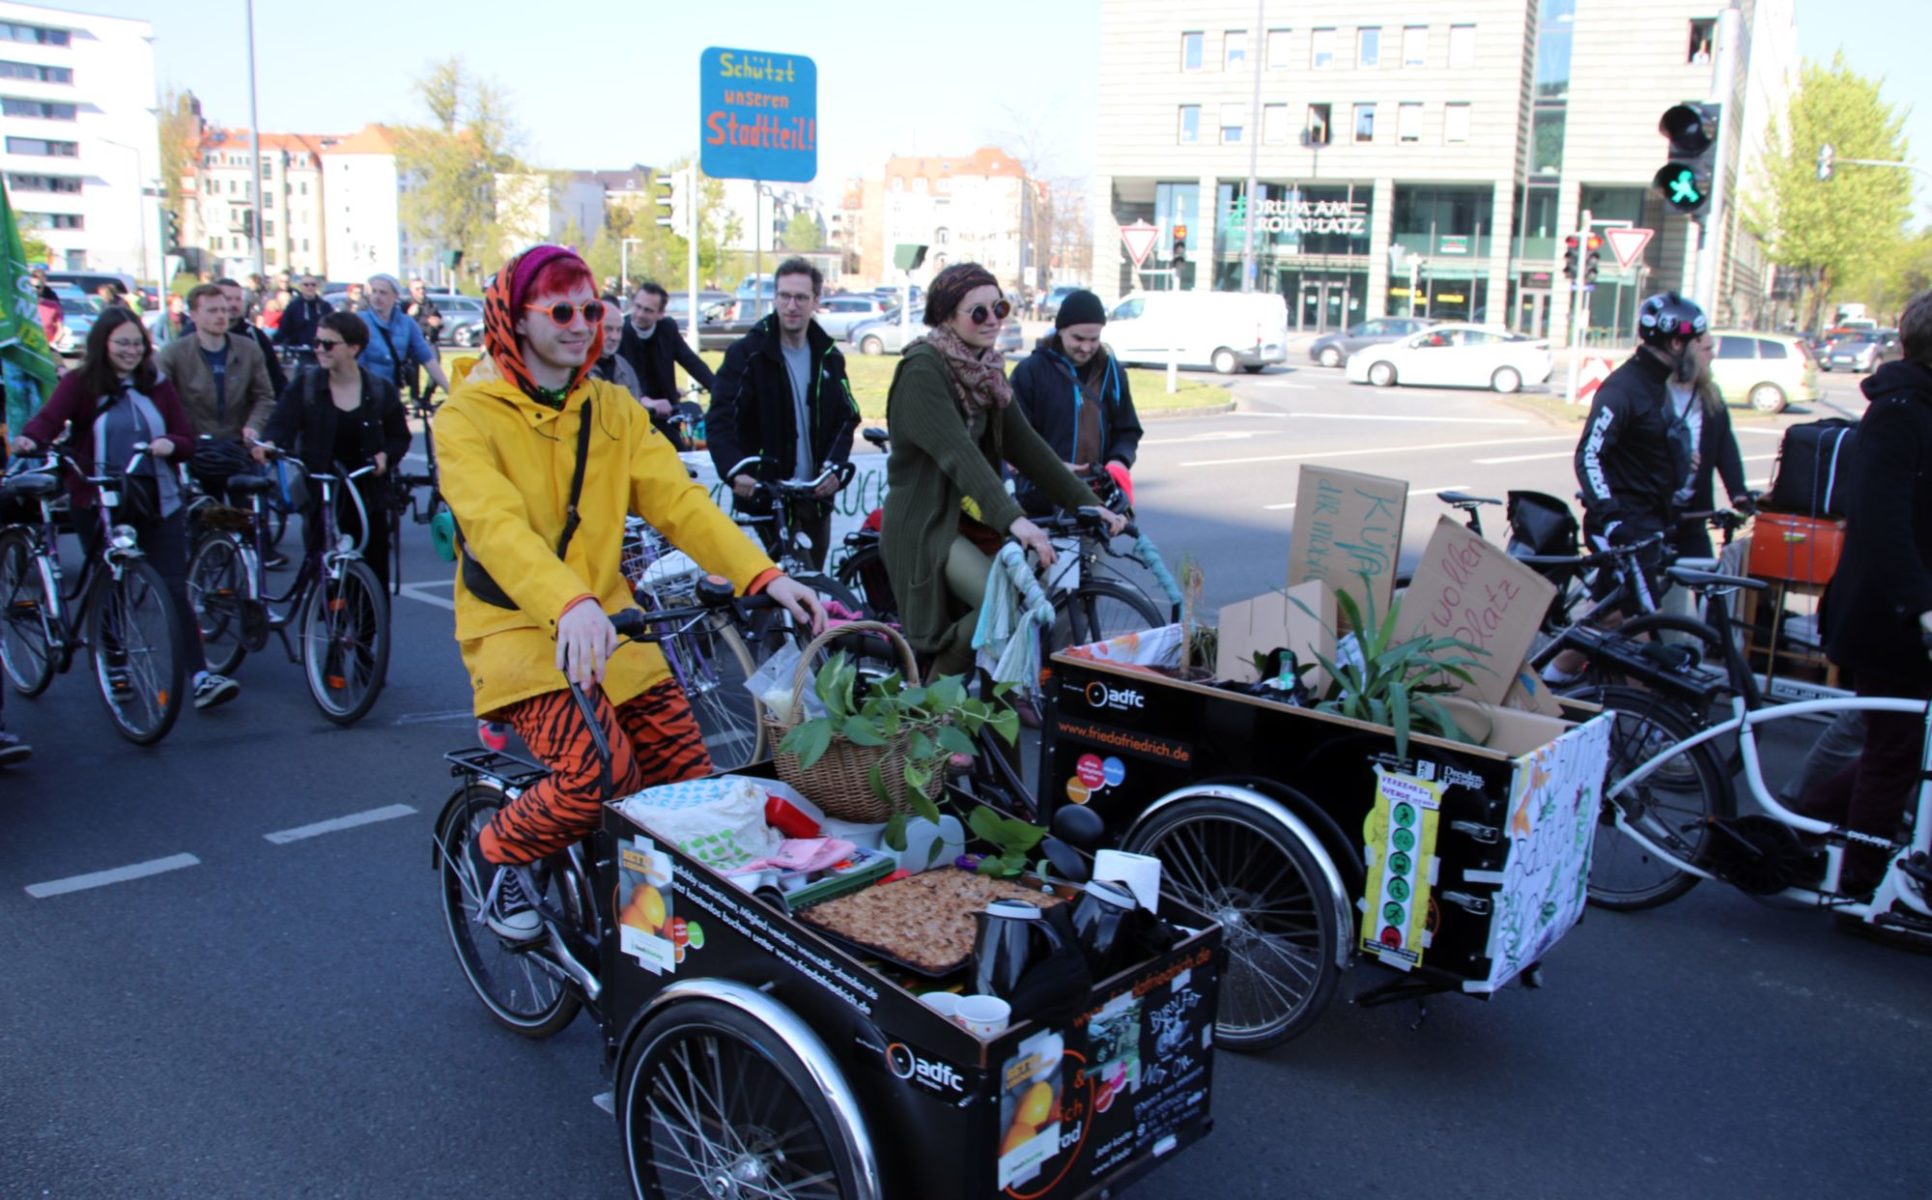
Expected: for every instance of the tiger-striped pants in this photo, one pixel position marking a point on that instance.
(653, 739)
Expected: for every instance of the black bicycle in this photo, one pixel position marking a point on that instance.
(335, 601)
(119, 607)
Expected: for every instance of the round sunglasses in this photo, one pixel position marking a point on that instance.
(998, 311)
(561, 313)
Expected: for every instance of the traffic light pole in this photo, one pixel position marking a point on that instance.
(1711, 226)
(1576, 306)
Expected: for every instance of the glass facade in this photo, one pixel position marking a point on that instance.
(1311, 247)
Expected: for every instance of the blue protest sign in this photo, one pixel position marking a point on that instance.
(759, 115)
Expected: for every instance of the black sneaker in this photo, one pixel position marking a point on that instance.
(13, 750)
(508, 910)
(212, 690)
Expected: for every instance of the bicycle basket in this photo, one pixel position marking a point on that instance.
(1540, 524)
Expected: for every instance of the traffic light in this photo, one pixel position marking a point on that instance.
(453, 258)
(173, 231)
(1685, 181)
(1591, 259)
(666, 200)
(1569, 256)
(1180, 244)
(1827, 159)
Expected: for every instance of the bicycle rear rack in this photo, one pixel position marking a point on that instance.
(512, 769)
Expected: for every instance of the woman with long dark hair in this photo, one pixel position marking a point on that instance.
(115, 401)
(337, 414)
(953, 424)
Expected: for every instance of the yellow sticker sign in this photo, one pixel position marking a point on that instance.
(1400, 837)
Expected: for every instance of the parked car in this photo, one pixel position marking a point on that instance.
(1454, 355)
(1862, 352)
(679, 305)
(1228, 331)
(77, 315)
(884, 335)
(1765, 370)
(1050, 307)
(89, 282)
(898, 295)
(838, 314)
(462, 319)
(1333, 349)
(728, 320)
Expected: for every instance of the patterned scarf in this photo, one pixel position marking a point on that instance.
(978, 376)
(501, 308)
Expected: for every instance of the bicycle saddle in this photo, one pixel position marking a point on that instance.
(250, 485)
(1464, 499)
(30, 485)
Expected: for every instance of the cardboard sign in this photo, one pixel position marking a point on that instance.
(1347, 523)
(1465, 587)
(1274, 619)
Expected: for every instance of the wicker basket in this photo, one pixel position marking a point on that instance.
(839, 782)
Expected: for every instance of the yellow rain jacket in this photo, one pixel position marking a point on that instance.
(505, 463)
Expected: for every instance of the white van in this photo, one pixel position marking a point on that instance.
(1223, 330)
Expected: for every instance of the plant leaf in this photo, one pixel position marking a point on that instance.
(985, 824)
(990, 865)
(955, 740)
(860, 732)
(809, 740)
(895, 833)
(919, 747)
(875, 779)
(1399, 711)
(922, 804)
(1007, 726)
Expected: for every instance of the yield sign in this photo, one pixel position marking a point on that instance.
(1626, 243)
(1139, 238)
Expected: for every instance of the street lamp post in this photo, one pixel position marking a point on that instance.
(140, 216)
(624, 262)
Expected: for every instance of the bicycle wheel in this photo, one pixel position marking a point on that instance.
(218, 590)
(713, 1104)
(1100, 609)
(1676, 648)
(523, 996)
(1256, 877)
(711, 663)
(1673, 807)
(345, 642)
(26, 635)
(133, 634)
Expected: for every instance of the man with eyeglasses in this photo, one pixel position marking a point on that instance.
(1076, 397)
(655, 349)
(783, 398)
(396, 342)
(301, 316)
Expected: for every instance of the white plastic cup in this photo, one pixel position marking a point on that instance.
(1141, 873)
(985, 1017)
(946, 1004)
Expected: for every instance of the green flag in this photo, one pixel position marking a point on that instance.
(27, 364)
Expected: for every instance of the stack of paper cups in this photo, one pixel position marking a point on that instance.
(1141, 874)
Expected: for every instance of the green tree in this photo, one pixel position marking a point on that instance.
(802, 233)
(179, 132)
(1838, 231)
(451, 165)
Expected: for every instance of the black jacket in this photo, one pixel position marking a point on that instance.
(300, 320)
(305, 419)
(1630, 460)
(1047, 388)
(752, 414)
(657, 358)
(1884, 578)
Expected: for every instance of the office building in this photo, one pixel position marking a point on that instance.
(1417, 158)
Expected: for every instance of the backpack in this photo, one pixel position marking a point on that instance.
(1811, 458)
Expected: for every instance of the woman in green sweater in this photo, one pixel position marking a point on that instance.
(947, 509)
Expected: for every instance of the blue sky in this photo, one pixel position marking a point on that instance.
(894, 76)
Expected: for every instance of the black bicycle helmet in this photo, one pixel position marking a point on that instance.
(1668, 315)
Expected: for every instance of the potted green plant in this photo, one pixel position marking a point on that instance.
(889, 741)
(1390, 682)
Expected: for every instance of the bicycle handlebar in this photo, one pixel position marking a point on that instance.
(843, 472)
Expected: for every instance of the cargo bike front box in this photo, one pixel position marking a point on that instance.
(722, 1005)
(1312, 844)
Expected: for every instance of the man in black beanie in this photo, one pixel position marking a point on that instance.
(1076, 396)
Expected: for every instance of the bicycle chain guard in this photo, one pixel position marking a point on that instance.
(1761, 856)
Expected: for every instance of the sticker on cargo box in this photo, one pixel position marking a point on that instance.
(1399, 837)
(648, 930)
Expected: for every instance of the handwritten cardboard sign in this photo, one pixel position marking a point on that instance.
(1467, 588)
(1347, 523)
(1274, 620)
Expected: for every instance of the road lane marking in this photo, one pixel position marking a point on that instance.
(1222, 435)
(1428, 491)
(414, 591)
(1328, 416)
(448, 716)
(1386, 450)
(338, 824)
(94, 879)
(1516, 458)
(1283, 383)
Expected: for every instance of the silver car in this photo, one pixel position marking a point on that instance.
(886, 336)
(838, 314)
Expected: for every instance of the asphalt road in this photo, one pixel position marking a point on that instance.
(282, 1016)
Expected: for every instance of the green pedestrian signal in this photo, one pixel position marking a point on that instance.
(1685, 181)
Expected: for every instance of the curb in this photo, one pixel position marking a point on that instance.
(1169, 414)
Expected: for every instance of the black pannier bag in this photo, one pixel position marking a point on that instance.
(1812, 461)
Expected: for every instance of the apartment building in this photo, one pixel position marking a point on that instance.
(1413, 157)
(220, 215)
(979, 207)
(77, 136)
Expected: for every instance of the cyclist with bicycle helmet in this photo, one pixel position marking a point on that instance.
(540, 464)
